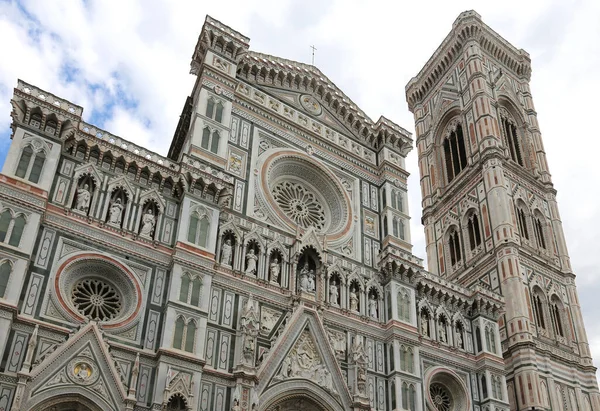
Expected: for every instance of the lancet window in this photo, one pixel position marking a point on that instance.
(185, 334)
(455, 154)
(511, 137)
(31, 164)
(210, 140)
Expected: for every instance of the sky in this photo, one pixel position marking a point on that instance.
(128, 66)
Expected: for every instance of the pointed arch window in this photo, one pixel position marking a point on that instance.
(397, 200)
(184, 291)
(11, 228)
(191, 289)
(179, 329)
(210, 140)
(5, 219)
(214, 109)
(199, 229)
(17, 231)
(538, 306)
(539, 231)
(522, 223)
(398, 228)
(454, 246)
(511, 138)
(404, 305)
(455, 154)
(5, 270)
(556, 311)
(474, 231)
(30, 164)
(185, 335)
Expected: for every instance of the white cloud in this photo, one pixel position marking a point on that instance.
(134, 59)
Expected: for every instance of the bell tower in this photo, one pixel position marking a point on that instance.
(490, 212)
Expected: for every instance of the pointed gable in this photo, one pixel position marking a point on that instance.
(81, 366)
(303, 356)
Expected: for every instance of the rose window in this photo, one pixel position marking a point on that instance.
(96, 299)
(299, 204)
(442, 400)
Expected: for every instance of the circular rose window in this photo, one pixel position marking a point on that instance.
(447, 391)
(300, 204)
(442, 400)
(93, 287)
(302, 192)
(96, 300)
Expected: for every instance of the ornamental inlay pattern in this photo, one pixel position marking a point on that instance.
(300, 204)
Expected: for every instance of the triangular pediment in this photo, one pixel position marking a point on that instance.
(82, 365)
(321, 113)
(303, 355)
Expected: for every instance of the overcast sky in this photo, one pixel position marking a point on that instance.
(128, 67)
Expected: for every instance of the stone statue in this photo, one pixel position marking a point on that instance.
(459, 339)
(83, 198)
(311, 283)
(250, 323)
(285, 367)
(373, 307)
(236, 406)
(359, 357)
(333, 293)
(115, 212)
(274, 270)
(424, 325)
(442, 332)
(353, 300)
(227, 253)
(307, 279)
(251, 259)
(324, 378)
(148, 223)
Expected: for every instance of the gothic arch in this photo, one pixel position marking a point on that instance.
(298, 390)
(68, 402)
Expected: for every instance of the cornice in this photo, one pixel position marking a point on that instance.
(467, 27)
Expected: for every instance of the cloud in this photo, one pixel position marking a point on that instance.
(127, 65)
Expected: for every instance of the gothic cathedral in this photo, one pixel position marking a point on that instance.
(266, 264)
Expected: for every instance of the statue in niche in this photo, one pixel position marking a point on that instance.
(459, 338)
(307, 279)
(250, 323)
(148, 223)
(227, 253)
(442, 332)
(424, 324)
(83, 198)
(359, 356)
(353, 300)
(333, 293)
(373, 307)
(115, 212)
(274, 270)
(251, 259)
(236, 406)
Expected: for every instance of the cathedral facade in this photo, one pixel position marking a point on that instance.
(266, 264)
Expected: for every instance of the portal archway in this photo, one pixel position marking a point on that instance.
(67, 403)
(298, 395)
(296, 404)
